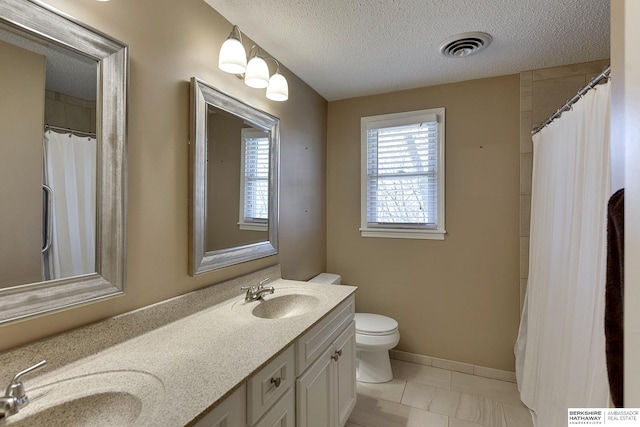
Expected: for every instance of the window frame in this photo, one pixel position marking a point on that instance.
(404, 231)
(243, 223)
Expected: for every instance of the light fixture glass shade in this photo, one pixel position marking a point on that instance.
(233, 58)
(257, 74)
(278, 89)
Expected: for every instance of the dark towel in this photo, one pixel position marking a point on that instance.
(614, 297)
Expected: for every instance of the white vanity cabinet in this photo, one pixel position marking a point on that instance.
(326, 383)
(312, 383)
(265, 400)
(230, 413)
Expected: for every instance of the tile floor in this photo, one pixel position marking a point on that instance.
(424, 396)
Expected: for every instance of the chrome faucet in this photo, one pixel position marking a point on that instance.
(15, 397)
(256, 292)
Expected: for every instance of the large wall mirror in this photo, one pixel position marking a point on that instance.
(62, 161)
(234, 180)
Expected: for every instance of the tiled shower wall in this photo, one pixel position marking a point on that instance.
(69, 112)
(542, 92)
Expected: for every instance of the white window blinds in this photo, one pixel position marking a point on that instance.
(401, 175)
(255, 197)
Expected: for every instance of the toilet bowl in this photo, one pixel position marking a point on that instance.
(375, 336)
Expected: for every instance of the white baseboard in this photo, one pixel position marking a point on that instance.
(451, 365)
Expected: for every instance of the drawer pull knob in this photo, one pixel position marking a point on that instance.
(276, 381)
(339, 352)
(335, 356)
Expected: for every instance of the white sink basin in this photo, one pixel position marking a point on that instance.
(114, 398)
(283, 304)
(107, 409)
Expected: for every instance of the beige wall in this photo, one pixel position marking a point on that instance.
(625, 111)
(22, 83)
(542, 93)
(455, 299)
(170, 42)
(617, 35)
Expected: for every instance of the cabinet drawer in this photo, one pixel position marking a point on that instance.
(271, 382)
(282, 414)
(231, 412)
(315, 341)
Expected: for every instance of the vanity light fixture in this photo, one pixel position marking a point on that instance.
(278, 89)
(233, 59)
(257, 74)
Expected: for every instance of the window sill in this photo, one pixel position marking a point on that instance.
(394, 233)
(251, 226)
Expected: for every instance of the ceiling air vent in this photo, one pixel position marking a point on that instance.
(464, 44)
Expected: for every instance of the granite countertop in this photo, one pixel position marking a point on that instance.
(181, 357)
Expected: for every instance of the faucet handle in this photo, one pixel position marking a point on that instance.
(262, 282)
(251, 290)
(15, 388)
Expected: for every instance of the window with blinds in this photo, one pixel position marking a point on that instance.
(403, 175)
(254, 188)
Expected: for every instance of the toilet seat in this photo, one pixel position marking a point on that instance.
(375, 324)
(368, 342)
(375, 332)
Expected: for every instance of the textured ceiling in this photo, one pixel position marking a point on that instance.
(349, 48)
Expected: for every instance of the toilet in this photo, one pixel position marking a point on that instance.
(375, 336)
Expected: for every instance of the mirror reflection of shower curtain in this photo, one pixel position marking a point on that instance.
(70, 170)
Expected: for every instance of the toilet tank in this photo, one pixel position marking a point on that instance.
(327, 279)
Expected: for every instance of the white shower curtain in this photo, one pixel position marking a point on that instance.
(560, 352)
(70, 170)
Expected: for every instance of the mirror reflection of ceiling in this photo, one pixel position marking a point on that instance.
(68, 72)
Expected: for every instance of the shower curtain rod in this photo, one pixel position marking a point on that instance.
(69, 130)
(603, 75)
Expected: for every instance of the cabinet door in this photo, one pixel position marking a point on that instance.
(345, 347)
(314, 393)
(232, 412)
